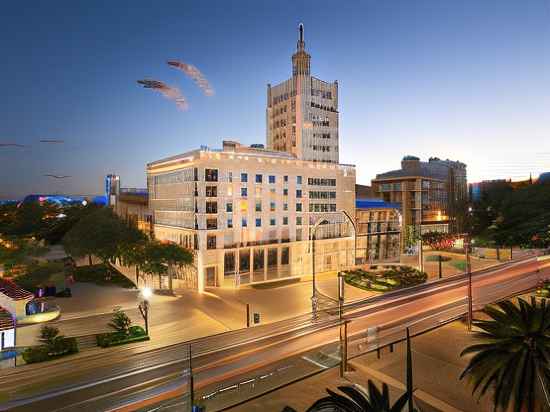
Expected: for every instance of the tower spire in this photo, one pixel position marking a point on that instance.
(300, 59)
(301, 44)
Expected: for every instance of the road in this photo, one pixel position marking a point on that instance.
(221, 361)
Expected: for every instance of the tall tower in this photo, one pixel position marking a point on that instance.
(302, 112)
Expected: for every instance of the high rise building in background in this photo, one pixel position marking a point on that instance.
(112, 186)
(302, 112)
(432, 194)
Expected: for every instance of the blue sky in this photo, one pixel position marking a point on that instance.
(463, 80)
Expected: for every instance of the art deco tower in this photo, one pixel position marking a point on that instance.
(302, 112)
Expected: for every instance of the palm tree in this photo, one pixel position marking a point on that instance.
(357, 401)
(514, 359)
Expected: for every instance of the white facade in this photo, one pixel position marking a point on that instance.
(247, 212)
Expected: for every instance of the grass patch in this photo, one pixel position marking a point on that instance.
(459, 264)
(393, 278)
(102, 275)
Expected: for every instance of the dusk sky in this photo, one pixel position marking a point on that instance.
(466, 80)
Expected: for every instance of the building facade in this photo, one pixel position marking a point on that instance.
(432, 194)
(248, 213)
(378, 231)
(302, 112)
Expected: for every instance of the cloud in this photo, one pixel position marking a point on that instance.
(195, 74)
(172, 93)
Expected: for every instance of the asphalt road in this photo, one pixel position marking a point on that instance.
(236, 356)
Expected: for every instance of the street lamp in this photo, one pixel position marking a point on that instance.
(146, 293)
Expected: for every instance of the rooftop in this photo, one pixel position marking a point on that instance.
(375, 204)
(13, 291)
(6, 319)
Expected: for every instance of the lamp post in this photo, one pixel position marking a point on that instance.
(469, 269)
(144, 307)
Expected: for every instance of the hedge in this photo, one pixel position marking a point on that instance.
(136, 334)
(396, 277)
(63, 347)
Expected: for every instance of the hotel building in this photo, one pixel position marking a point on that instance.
(302, 112)
(249, 213)
(432, 195)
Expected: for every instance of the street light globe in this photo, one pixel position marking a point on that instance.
(84, 202)
(146, 293)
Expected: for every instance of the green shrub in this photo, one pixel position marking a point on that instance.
(120, 322)
(137, 331)
(36, 354)
(106, 340)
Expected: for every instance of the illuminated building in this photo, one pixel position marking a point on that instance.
(432, 194)
(302, 112)
(247, 213)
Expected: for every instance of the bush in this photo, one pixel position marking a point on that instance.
(36, 354)
(137, 334)
(459, 264)
(121, 322)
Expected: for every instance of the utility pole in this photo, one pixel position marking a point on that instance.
(469, 269)
(191, 383)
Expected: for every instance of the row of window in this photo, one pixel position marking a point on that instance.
(320, 106)
(230, 263)
(321, 135)
(322, 93)
(318, 194)
(321, 148)
(322, 207)
(212, 224)
(212, 207)
(284, 96)
(316, 181)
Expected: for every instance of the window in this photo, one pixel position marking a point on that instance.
(285, 220)
(271, 179)
(285, 206)
(298, 207)
(211, 207)
(285, 192)
(244, 223)
(271, 257)
(258, 191)
(230, 176)
(229, 263)
(298, 193)
(298, 180)
(258, 222)
(211, 191)
(229, 223)
(272, 206)
(284, 256)
(244, 192)
(258, 259)
(258, 205)
(229, 207)
(244, 260)
(211, 175)
(285, 179)
(298, 220)
(272, 221)
(211, 242)
(211, 224)
(258, 178)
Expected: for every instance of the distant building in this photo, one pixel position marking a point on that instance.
(112, 186)
(544, 177)
(249, 213)
(378, 230)
(302, 112)
(432, 194)
(364, 192)
(133, 206)
(477, 189)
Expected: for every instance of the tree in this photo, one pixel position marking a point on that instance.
(514, 359)
(133, 254)
(100, 233)
(160, 256)
(120, 322)
(357, 401)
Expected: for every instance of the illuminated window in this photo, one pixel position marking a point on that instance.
(244, 192)
(258, 178)
(271, 179)
(244, 177)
